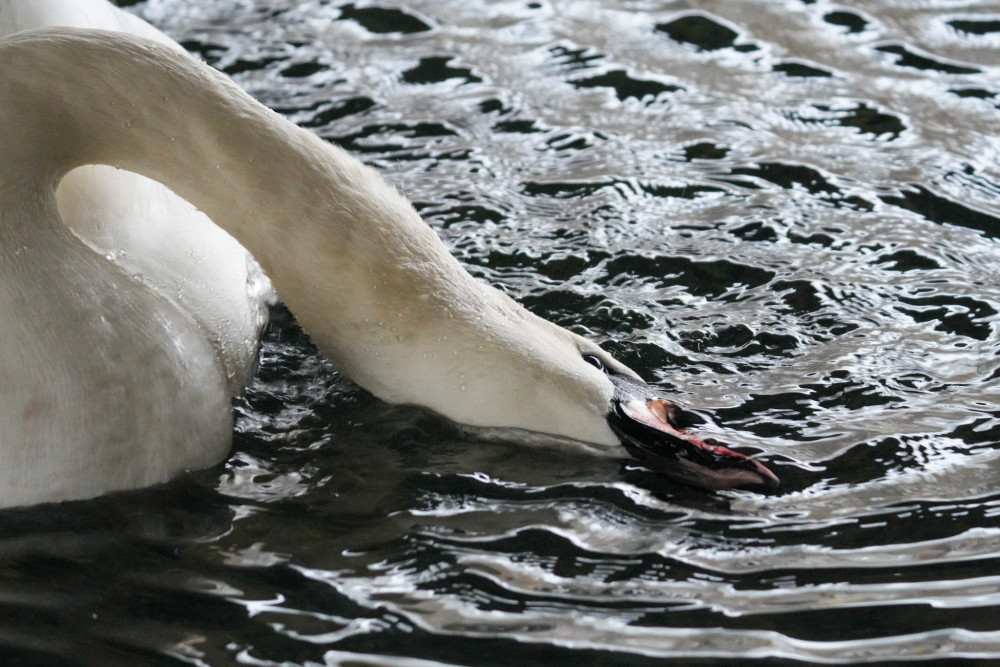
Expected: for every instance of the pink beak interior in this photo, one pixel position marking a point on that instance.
(659, 414)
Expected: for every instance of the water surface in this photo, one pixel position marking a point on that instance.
(783, 214)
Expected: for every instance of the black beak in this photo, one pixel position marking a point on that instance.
(648, 429)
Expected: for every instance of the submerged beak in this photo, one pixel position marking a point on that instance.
(648, 428)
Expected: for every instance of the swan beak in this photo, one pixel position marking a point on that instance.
(648, 429)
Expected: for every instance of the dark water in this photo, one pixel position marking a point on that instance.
(783, 214)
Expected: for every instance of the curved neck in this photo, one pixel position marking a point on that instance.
(109, 98)
(370, 282)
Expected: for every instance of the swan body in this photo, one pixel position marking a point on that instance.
(107, 382)
(175, 249)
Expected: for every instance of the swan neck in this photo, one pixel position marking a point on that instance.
(373, 285)
(310, 214)
(344, 250)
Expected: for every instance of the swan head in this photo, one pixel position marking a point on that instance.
(651, 429)
(507, 368)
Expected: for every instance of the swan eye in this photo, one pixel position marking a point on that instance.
(594, 361)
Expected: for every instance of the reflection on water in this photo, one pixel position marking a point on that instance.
(785, 214)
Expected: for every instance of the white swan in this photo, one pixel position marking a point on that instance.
(108, 383)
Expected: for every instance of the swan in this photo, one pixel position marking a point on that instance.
(110, 383)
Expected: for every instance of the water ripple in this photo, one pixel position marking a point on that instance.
(786, 215)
